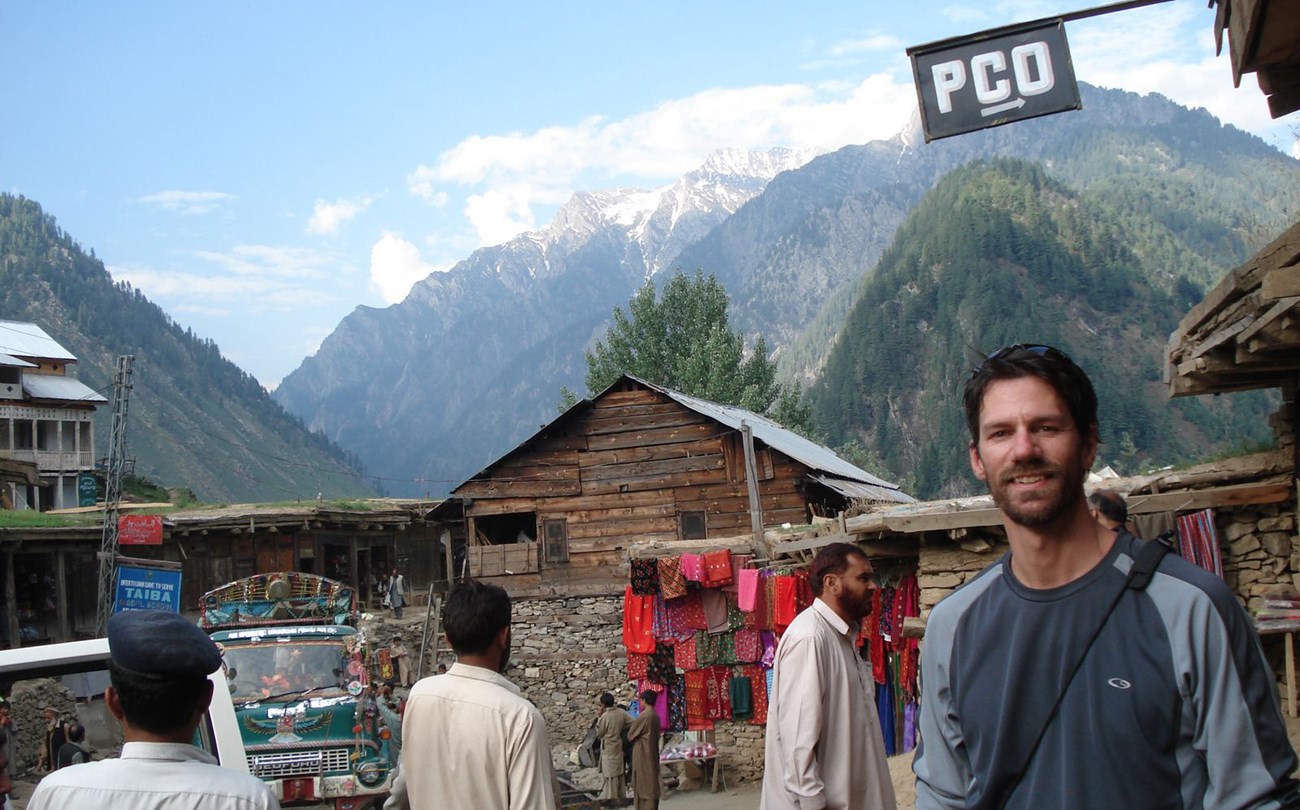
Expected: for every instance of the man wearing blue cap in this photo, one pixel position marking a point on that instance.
(159, 668)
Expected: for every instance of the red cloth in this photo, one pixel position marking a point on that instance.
(717, 684)
(688, 611)
(697, 703)
(684, 654)
(637, 666)
(671, 582)
(877, 641)
(758, 685)
(717, 568)
(638, 622)
(786, 605)
(749, 647)
(747, 589)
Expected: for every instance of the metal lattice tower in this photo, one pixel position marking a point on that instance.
(113, 491)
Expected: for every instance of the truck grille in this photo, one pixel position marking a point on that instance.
(298, 763)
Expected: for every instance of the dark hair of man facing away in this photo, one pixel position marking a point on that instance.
(1110, 504)
(157, 704)
(831, 559)
(607, 700)
(473, 616)
(1048, 365)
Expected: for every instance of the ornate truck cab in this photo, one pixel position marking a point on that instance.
(306, 708)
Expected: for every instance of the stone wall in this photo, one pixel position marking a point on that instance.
(567, 650)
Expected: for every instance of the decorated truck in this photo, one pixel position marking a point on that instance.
(307, 710)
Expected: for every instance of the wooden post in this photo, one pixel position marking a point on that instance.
(451, 558)
(61, 601)
(11, 601)
(751, 481)
(1290, 672)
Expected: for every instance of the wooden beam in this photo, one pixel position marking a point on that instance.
(1274, 312)
(1281, 283)
(1235, 495)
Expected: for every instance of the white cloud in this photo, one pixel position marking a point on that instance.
(395, 265)
(511, 174)
(186, 202)
(328, 217)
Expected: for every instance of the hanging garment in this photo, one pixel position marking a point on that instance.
(693, 567)
(909, 726)
(638, 622)
(714, 602)
(697, 699)
(742, 697)
(885, 708)
(662, 663)
(671, 582)
(1198, 540)
(676, 704)
(738, 563)
(787, 606)
(749, 646)
(686, 613)
(717, 568)
(645, 577)
(638, 665)
(747, 589)
(758, 689)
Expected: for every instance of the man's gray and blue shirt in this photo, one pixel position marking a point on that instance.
(1173, 707)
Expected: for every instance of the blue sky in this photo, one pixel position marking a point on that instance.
(261, 169)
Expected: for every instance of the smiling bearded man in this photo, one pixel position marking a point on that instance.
(1054, 678)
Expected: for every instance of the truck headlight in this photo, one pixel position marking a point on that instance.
(371, 772)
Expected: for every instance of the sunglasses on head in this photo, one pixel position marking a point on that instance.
(1040, 349)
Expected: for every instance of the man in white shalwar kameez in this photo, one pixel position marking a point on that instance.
(824, 746)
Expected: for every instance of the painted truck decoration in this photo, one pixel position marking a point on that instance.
(293, 660)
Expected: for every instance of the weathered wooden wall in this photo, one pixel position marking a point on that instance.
(625, 472)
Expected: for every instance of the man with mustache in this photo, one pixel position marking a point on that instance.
(1051, 679)
(469, 738)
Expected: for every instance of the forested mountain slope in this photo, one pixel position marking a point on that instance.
(1000, 253)
(195, 419)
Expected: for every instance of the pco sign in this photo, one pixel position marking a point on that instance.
(993, 78)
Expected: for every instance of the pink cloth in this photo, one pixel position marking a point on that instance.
(747, 589)
(693, 567)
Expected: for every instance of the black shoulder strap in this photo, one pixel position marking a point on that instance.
(1147, 561)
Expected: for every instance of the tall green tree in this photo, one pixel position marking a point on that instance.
(681, 339)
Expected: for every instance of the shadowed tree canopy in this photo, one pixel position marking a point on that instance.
(681, 339)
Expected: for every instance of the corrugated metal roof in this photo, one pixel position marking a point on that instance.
(809, 453)
(23, 339)
(49, 386)
(857, 489)
(13, 362)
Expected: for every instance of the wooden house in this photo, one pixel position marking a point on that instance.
(642, 463)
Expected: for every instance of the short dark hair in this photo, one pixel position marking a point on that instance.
(1110, 503)
(831, 559)
(1050, 365)
(155, 703)
(648, 698)
(474, 614)
(76, 732)
(606, 699)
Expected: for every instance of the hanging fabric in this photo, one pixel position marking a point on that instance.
(747, 589)
(671, 582)
(692, 567)
(1198, 540)
(717, 568)
(638, 622)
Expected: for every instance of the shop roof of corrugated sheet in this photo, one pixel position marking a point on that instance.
(68, 389)
(13, 362)
(869, 492)
(23, 339)
(773, 435)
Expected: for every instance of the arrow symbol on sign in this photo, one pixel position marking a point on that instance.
(1010, 105)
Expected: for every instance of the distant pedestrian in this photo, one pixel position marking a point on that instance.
(72, 753)
(397, 651)
(824, 746)
(159, 666)
(1109, 509)
(643, 733)
(53, 737)
(397, 593)
(611, 728)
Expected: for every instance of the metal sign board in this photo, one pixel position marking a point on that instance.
(993, 78)
(140, 530)
(87, 490)
(140, 588)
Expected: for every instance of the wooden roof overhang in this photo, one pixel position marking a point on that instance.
(1264, 39)
(1245, 333)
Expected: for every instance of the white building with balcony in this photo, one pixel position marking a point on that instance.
(46, 418)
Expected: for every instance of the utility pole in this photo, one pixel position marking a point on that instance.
(113, 491)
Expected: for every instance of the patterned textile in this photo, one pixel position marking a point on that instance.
(686, 613)
(761, 617)
(693, 567)
(663, 664)
(676, 704)
(706, 649)
(909, 726)
(758, 690)
(671, 582)
(738, 563)
(749, 646)
(769, 649)
(1198, 540)
(735, 616)
(697, 698)
(742, 697)
(747, 589)
(684, 654)
(717, 568)
(715, 609)
(645, 577)
(877, 642)
(637, 666)
(718, 693)
(638, 622)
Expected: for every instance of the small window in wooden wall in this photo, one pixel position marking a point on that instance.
(692, 525)
(555, 534)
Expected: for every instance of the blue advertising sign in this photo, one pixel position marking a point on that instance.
(140, 588)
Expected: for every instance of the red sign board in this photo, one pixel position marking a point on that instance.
(140, 530)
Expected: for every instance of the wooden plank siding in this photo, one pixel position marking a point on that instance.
(622, 473)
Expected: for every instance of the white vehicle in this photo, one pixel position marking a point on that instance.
(218, 734)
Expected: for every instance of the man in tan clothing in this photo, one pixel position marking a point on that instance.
(610, 727)
(643, 733)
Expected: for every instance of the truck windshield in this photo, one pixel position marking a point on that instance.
(285, 668)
